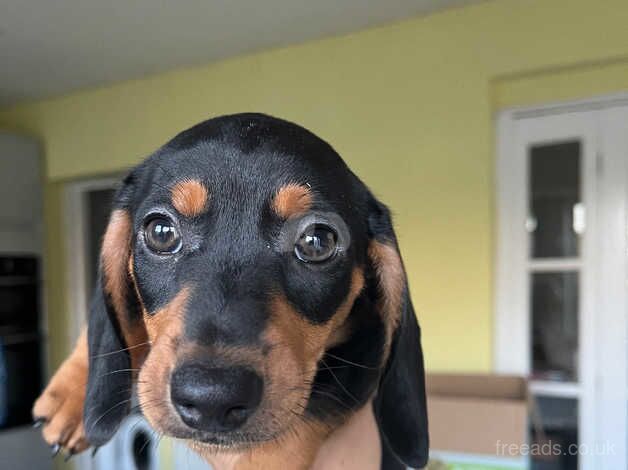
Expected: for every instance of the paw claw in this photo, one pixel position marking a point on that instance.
(39, 422)
(55, 449)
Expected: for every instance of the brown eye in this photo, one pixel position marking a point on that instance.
(316, 244)
(161, 236)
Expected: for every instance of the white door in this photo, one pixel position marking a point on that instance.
(561, 277)
(611, 411)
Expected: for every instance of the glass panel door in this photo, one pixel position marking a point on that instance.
(562, 277)
(555, 226)
(552, 204)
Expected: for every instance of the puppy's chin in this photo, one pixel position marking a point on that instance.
(235, 443)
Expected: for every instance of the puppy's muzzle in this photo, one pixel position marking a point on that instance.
(215, 400)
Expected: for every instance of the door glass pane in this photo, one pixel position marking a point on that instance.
(556, 213)
(554, 301)
(98, 207)
(554, 423)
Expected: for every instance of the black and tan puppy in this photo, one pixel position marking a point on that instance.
(251, 288)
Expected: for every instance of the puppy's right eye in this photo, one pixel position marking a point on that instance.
(161, 236)
(316, 244)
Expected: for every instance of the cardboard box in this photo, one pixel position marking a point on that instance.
(478, 414)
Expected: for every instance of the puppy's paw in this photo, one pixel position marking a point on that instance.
(59, 409)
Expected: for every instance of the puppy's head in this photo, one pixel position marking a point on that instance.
(250, 282)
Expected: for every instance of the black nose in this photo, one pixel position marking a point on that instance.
(215, 399)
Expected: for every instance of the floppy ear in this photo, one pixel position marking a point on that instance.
(400, 405)
(115, 328)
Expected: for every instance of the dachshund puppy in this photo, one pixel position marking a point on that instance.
(252, 292)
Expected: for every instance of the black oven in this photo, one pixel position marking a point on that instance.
(21, 339)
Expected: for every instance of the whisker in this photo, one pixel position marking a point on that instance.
(95, 356)
(351, 362)
(123, 402)
(340, 383)
(333, 397)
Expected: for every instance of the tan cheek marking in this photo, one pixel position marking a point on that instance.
(391, 279)
(164, 329)
(313, 338)
(304, 343)
(302, 337)
(189, 197)
(115, 254)
(339, 335)
(340, 328)
(169, 319)
(291, 200)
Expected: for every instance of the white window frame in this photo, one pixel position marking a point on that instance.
(603, 407)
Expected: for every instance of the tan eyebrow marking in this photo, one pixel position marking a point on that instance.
(292, 199)
(189, 197)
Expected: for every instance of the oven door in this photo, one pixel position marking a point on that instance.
(19, 305)
(20, 377)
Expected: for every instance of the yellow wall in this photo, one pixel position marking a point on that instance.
(410, 108)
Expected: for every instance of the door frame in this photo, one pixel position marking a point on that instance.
(75, 212)
(608, 298)
(76, 246)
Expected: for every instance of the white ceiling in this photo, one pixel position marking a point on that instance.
(49, 47)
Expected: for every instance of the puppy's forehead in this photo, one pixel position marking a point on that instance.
(288, 192)
(254, 159)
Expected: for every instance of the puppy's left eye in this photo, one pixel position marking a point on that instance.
(162, 236)
(316, 244)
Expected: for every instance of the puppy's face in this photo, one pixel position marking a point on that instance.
(255, 284)
(246, 262)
